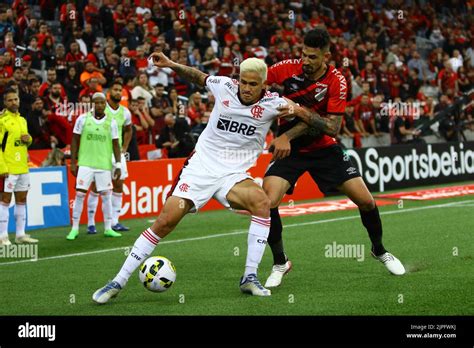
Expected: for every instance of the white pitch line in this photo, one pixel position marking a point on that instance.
(241, 232)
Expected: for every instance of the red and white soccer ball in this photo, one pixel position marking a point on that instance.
(157, 274)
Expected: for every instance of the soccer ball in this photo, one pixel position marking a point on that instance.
(157, 274)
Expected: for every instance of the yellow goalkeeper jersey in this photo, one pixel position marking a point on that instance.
(14, 154)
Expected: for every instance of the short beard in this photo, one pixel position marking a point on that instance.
(116, 100)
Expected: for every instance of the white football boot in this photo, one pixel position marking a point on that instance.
(392, 263)
(278, 271)
(5, 242)
(104, 294)
(251, 285)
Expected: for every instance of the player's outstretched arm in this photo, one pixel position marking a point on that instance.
(192, 75)
(329, 125)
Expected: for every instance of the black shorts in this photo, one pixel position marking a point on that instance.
(329, 167)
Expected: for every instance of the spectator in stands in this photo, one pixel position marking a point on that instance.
(402, 129)
(175, 36)
(35, 121)
(210, 62)
(199, 128)
(60, 62)
(31, 30)
(75, 55)
(447, 78)
(196, 108)
(160, 104)
(35, 55)
(364, 117)
(89, 37)
(48, 53)
(53, 101)
(127, 66)
(175, 137)
(72, 84)
(177, 105)
(91, 15)
(140, 122)
(43, 34)
(142, 88)
(106, 16)
(92, 86)
(91, 71)
(132, 34)
(420, 65)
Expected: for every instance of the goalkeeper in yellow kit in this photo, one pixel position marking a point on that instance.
(14, 171)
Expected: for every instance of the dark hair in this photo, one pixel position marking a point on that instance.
(317, 38)
(117, 82)
(9, 91)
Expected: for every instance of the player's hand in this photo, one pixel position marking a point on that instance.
(25, 138)
(73, 169)
(176, 143)
(117, 174)
(280, 147)
(160, 60)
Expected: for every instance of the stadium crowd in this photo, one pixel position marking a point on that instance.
(404, 60)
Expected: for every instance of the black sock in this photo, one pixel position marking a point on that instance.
(275, 240)
(373, 224)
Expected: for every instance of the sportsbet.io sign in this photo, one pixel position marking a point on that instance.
(399, 166)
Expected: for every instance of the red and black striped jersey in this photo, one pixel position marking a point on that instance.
(326, 96)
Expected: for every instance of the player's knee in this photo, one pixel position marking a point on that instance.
(367, 204)
(260, 205)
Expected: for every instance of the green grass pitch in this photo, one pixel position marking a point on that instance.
(434, 239)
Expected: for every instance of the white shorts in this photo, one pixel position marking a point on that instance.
(17, 183)
(102, 178)
(123, 168)
(198, 185)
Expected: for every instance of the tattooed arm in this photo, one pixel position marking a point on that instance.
(330, 125)
(192, 75)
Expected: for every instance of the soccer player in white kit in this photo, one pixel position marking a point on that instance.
(228, 147)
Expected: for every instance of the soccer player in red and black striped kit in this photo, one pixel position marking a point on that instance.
(306, 142)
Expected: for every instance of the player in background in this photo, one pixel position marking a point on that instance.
(14, 171)
(95, 139)
(227, 148)
(307, 143)
(123, 118)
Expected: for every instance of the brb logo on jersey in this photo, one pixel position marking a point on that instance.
(257, 111)
(235, 127)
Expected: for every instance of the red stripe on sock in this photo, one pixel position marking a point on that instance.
(263, 223)
(261, 220)
(150, 236)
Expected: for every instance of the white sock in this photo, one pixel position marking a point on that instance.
(116, 207)
(143, 247)
(20, 219)
(257, 239)
(4, 215)
(107, 209)
(92, 202)
(77, 209)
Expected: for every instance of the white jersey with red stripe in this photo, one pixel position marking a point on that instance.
(235, 134)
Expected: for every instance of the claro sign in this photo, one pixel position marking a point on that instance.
(400, 166)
